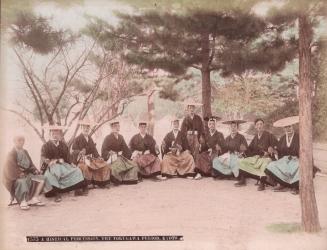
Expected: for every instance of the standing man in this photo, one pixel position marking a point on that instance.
(177, 159)
(192, 128)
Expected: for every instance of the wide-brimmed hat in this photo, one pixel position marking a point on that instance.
(236, 121)
(174, 118)
(288, 121)
(114, 121)
(143, 119)
(54, 127)
(212, 118)
(87, 122)
(191, 101)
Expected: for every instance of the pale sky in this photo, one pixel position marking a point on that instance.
(74, 17)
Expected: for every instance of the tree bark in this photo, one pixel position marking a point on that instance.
(310, 220)
(205, 74)
(151, 112)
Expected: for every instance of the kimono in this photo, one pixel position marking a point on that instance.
(177, 159)
(62, 175)
(255, 163)
(285, 170)
(226, 164)
(209, 152)
(20, 176)
(149, 164)
(95, 170)
(193, 129)
(123, 170)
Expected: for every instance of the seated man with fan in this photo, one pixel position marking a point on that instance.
(226, 165)
(212, 146)
(145, 153)
(258, 155)
(177, 159)
(22, 179)
(117, 154)
(85, 155)
(285, 170)
(57, 167)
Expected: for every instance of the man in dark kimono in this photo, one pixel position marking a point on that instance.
(285, 170)
(226, 165)
(57, 167)
(192, 127)
(145, 153)
(117, 154)
(22, 179)
(85, 154)
(177, 159)
(213, 146)
(258, 155)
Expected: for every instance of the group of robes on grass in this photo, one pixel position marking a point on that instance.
(194, 150)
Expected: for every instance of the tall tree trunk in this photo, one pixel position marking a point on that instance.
(151, 112)
(205, 73)
(310, 220)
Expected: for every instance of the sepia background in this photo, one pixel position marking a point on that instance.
(62, 62)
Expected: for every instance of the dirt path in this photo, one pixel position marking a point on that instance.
(209, 214)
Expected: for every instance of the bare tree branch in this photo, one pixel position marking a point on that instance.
(40, 134)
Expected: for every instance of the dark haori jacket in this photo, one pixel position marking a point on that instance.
(195, 124)
(143, 144)
(233, 144)
(12, 170)
(50, 151)
(260, 146)
(111, 143)
(81, 143)
(171, 142)
(212, 141)
(294, 148)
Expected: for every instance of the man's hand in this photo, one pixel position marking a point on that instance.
(36, 172)
(22, 175)
(270, 150)
(112, 152)
(47, 161)
(188, 151)
(242, 148)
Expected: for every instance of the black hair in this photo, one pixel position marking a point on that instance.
(258, 120)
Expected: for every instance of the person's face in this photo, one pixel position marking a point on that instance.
(259, 126)
(191, 109)
(175, 124)
(56, 134)
(115, 128)
(19, 142)
(211, 125)
(142, 128)
(85, 129)
(233, 128)
(289, 130)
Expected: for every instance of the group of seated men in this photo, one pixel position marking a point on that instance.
(195, 150)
